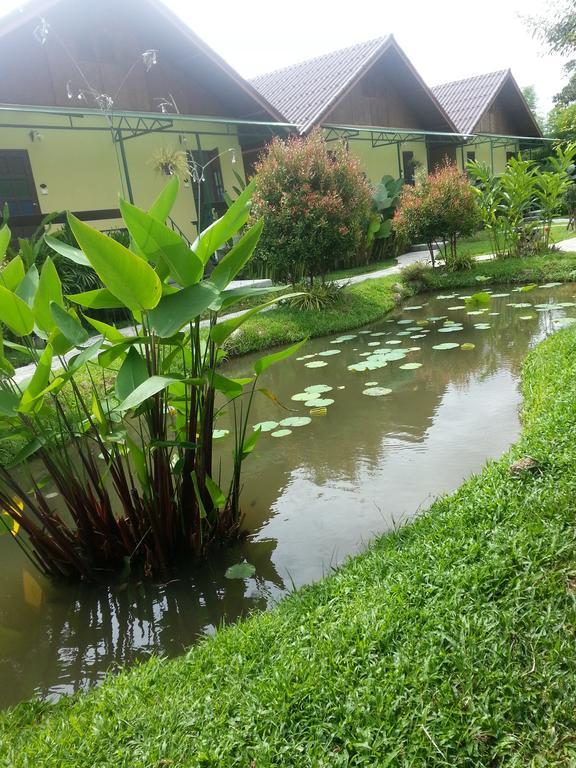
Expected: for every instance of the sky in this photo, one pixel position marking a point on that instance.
(445, 39)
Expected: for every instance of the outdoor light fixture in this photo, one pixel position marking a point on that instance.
(35, 135)
(43, 189)
(150, 58)
(233, 156)
(41, 31)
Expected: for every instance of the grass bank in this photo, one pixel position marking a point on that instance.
(479, 243)
(448, 643)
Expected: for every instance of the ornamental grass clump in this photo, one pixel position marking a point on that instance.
(316, 203)
(123, 426)
(440, 208)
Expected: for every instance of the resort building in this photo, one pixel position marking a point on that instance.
(91, 110)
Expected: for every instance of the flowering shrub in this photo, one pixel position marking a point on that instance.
(441, 207)
(315, 203)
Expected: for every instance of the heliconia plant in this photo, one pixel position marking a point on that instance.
(122, 423)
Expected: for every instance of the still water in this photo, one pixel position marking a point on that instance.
(311, 497)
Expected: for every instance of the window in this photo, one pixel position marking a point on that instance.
(509, 156)
(471, 157)
(408, 167)
(212, 202)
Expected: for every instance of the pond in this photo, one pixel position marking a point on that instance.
(394, 415)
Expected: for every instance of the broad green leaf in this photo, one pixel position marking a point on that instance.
(68, 325)
(8, 402)
(226, 328)
(84, 357)
(162, 206)
(199, 501)
(5, 236)
(161, 245)
(249, 444)
(222, 230)
(230, 387)
(68, 251)
(147, 389)
(132, 373)
(100, 298)
(125, 274)
(233, 296)
(28, 287)
(15, 313)
(108, 331)
(49, 290)
(6, 367)
(216, 494)
(177, 309)
(12, 274)
(265, 362)
(139, 462)
(240, 571)
(26, 451)
(227, 269)
(35, 389)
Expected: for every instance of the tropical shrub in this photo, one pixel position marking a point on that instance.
(123, 426)
(317, 296)
(381, 240)
(438, 208)
(315, 201)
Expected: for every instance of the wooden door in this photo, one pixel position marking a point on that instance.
(18, 190)
(438, 154)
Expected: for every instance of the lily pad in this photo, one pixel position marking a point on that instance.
(411, 366)
(451, 329)
(413, 307)
(549, 285)
(371, 384)
(459, 306)
(519, 305)
(240, 571)
(394, 341)
(418, 336)
(306, 357)
(330, 352)
(500, 295)
(296, 421)
(218, 433)
(405, 322)
(379, 333)
(527, 317)
(482, 326)
(414, 349)
(316, 364)
(436, 319)
(376, 391)
(266, 426)
(467, 346)
(446, 345)
(281, 433)
(373, 343)
(404, 333)
(320, 402)
(302, 396)
(347, 337)
(447, 296)
(318, 388)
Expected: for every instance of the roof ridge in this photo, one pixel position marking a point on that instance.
(472, 77)
(321, 56)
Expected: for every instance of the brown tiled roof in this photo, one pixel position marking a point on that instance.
(303, 92)
(467, 100)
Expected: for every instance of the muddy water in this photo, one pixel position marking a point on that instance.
(311, 497)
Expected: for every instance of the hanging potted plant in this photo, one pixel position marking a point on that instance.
(170, 162)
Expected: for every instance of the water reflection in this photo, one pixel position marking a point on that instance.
(310, 499)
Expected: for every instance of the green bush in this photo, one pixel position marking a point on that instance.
(316, 203)
(317, 296)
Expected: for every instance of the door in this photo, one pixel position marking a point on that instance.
(209, 186)
(438, 154)
(18, 190)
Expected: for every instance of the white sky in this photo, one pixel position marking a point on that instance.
(445, 39)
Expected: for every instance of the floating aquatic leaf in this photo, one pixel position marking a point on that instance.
(476, 312)
(413, 307)
(265, 426)
(567, 304)
(546, 307)
(394, 341)
(320, 402)
(341, 386)
(358, 367)
(404, 333)
(464, 298)
(240, 571)
(448, 296)
(379, 333)
(376, 391)
(500, 295)
(520, 305)
(371, 384)
(281, 433)
(527, 317)
(482, 326)
(436, 319)
(404, 322)
(446, 345)
(414, 349)
(306, 357)
(218, 433)
(347, 337)
(370, 332)
(459, 306)
(418, 336)
(318, 411)
(318, 388)
(330, 352)
(302, 396)
(410, 366)
(295, 421)
(493, 314)
(373, 343)
(414, 329)
(549, 285)
(316, 364)
(526, 288)
(467, 346)
(451, 329)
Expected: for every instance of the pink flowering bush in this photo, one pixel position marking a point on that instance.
(315, 202)
(439, 209)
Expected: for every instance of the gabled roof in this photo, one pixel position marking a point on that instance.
(305, 93)
(467, 100)
(36, 8)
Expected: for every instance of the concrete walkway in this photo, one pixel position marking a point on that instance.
(26, 371)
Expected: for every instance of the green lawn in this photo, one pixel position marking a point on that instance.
(448, 643)
(363, 269)
(479, 244)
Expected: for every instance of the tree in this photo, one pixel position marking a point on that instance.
(558, 33)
